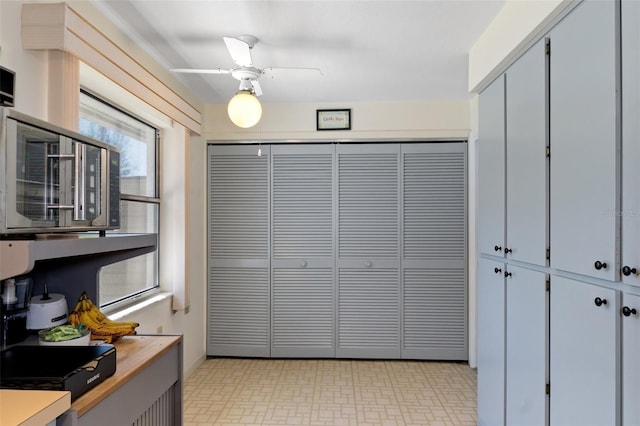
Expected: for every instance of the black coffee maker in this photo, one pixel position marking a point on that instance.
(14, 305)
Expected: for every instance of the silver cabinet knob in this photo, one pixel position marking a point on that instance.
(368, 264)
(303, 263)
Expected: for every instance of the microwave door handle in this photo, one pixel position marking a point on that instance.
(79, 187)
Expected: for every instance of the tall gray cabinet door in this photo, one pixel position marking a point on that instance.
(630, 142)
(368, 293)
(583, 354)
(434, 320)
(583, 140)
(527, 165)
(526, 347)
(630, 360)
(491, 343)
(491, 168)
(302, 251)
(238, 290)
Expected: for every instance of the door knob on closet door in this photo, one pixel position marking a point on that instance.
(600, 302)
(626, 271)
(508, 250)
(600, 265)
(497, 248)
(497, 270)
(627, 311)
(303, 263)
(368, 264)
(507, 274)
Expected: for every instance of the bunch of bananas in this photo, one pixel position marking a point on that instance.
(102, 328)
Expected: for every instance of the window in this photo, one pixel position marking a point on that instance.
(139, 199)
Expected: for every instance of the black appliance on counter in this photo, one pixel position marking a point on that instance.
(70, 368)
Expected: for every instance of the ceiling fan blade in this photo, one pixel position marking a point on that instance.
(256, 87)
(301, 73)
(239, 50)
(201, 71)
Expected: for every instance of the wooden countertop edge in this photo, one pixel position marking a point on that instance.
(133, 354)
(32, 407)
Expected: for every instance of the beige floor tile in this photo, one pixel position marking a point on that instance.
(247, 392)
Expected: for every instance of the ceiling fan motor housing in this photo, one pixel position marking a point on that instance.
(246, 73)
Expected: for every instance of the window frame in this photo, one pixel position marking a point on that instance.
(153, 200)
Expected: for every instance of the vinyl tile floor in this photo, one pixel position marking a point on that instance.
(236, 391)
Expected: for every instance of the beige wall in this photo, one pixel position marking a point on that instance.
(432, 120)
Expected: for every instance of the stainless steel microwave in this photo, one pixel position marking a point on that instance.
(55, 180)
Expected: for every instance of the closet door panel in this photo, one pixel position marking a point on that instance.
(527, 165)
(583, 113)
(434, 251)
(303, 251)
(368, 251)
(238, 248)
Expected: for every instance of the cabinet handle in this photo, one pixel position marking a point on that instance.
(600, 302)
(627, 311)
(626, 271)
(497, 248)
(303, 263)
(508, 250)
(600, 265)
(368, 264)
(497, 270)
(507, 273)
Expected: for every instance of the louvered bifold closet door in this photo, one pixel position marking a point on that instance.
(238, 224)
(434, 321)
(368, 292)
(302, 262)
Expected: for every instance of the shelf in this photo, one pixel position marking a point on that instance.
(19, 256)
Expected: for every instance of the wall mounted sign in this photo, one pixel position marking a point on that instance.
(333, 119)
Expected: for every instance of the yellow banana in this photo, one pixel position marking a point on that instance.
(86, 307)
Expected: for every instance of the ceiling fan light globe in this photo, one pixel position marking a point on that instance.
(244, 109)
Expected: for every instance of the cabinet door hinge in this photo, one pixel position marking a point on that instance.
(548, 254)
(547, 151)
(548, 285)
(547, 47)
(547, 389)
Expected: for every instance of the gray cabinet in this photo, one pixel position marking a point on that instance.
(584, 355)
(584, 114)
(630, 361)
(630, 214)
(527, 177)
(491, 342)
(491, 169)
(526, 347)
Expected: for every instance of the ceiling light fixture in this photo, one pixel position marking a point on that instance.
(244, 109)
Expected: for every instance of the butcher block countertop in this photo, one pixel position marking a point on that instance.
(32, 407)
(133, 354)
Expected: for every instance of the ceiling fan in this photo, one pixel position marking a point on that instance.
(240, 49)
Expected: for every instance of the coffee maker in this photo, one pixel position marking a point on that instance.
(15, 295)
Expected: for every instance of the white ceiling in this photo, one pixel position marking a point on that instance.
(367, 50)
